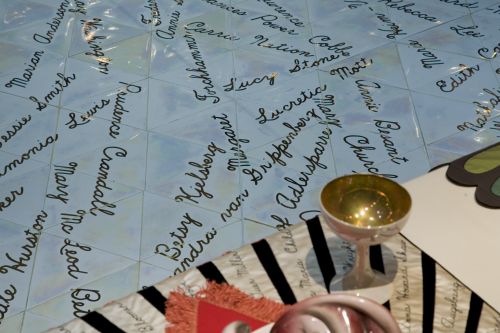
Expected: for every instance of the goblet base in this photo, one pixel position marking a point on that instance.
(375, 286)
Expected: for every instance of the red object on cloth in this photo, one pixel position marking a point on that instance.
(215, 307)
(212, 318)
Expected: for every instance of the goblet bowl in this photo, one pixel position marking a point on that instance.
(365, 208)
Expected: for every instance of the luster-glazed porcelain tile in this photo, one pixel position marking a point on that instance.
(280, 195)
(151, 274)
(79, 301)
(16, 265)
(32, 27)
(194, 231)
(60, 276)
(437, 120)
(27, 192)
(118, 235)
(13, 323)
(253, 231)
(209, 178)
(381, 63)
(33, 323)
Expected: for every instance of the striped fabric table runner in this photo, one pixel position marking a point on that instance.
(297, 263)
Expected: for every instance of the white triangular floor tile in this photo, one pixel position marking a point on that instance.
(55, 279)
(439, 118)
(88, 297)
(33, 323)
(151, 274)
(89, 81)
(29, 190)
(14, 323)
(119, 234)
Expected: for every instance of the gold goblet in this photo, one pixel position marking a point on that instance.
(365, 210)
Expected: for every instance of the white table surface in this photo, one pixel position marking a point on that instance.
(448, 224)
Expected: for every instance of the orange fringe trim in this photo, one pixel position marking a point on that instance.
(182, 309)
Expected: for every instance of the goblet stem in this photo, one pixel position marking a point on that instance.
(362, 273)
(362, 280)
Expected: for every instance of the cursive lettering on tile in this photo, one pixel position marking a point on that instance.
(298, 185)
(70, 219)
(239, 158)
(429, 59)
(154, 14)
(60, 173)
(483, 110)
(385, 129)
(496, 126)
(200, 175)
(234, 205)
(268, 21)
(232, 86)
(304, 96)
(463, 4)
(97, 203)
(172, 26)
(87, 116)
(338, 48)
(405, 8)
(70, 251)
(80, 297)
(32, 238)
(363, 87)
(199, 27)
(28, 72)
(283, 222)
(262, 41)
(457, 79)
(324, 105)
(344, 71)
(58, 87)
(283, 12)
(359, 145)
(494, 10)
(393, 29)
(8, 200)
(80, 8)
(230, 9)
(11, 132)
(483, 52)
(28, 154)
(6, 298)
(194, 250)
(179, 237)
(353, 4)
(201, 70)
(90, 28)
(54, 24)
(304, 64)
(467, 31)
(119, 110)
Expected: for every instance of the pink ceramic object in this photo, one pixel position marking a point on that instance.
(340, 313)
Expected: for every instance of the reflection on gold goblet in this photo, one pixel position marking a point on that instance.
(365, 210)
